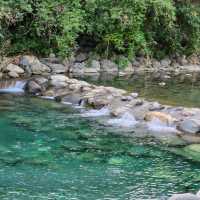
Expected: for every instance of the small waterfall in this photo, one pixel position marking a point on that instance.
(12, 86)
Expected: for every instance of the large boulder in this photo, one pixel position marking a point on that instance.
(77, 68)
(33, 88)
(93, 67)
(186, 196)
(14, 68)
(109, 66)
(43, 82)
(163, 117)
(58, 81)
(57, 68)
(13, 74)
(190, 126)
(33, 66)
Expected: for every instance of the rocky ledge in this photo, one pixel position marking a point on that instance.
(83, 63)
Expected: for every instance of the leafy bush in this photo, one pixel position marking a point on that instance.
(130, 27)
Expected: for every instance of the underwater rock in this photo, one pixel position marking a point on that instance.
(193, 148)
(115, 161)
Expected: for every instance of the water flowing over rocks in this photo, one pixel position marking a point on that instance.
(126, 110)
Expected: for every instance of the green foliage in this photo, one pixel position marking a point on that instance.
(130, 27)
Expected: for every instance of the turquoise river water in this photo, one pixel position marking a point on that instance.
(48, 151)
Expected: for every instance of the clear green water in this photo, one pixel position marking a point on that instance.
(182, 90)
(47, 151)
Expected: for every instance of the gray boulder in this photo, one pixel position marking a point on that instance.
(190, 126)
(58, 81)
(77, 68)
(14, 68)
(57, 68)
(33, 88)
(43, 82)
(94, 67)
(13, 74)
(108, 66)
(33, 66)
(165, 62)
(186, 196)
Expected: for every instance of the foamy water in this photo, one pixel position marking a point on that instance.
(158, 126)
(126, 120)
(96, 113)
(14, 87)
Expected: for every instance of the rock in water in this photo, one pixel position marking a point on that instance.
(186, 196)
(163, 117)
(58, 81)
(190, 126)
(33, 88)
(57, 68)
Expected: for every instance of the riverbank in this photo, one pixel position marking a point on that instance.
(82, 64)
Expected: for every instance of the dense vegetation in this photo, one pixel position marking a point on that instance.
(130, 27)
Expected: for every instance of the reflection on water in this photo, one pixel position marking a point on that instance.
(47, 151)
(180, 90)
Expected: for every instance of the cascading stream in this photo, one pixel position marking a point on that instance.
(14, 86)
